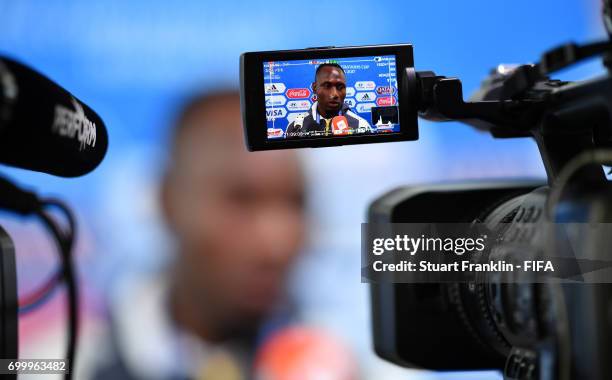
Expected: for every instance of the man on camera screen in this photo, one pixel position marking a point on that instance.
(329, 115)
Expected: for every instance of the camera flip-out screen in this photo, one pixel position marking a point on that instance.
(327, 96)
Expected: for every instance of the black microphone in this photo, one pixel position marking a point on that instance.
(45, 128)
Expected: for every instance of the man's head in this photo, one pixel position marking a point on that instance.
(330, 87)
(238, 217)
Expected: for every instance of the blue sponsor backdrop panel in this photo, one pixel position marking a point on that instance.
(288, 87)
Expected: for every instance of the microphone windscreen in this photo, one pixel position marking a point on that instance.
(340, 125)
(304, 353)
(45, 128)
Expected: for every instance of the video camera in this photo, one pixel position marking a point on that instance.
(530, 325)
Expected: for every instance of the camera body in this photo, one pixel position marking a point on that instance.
(550, 329)
(404, 313)
(531, 329)
(484, 322)
(281, 108)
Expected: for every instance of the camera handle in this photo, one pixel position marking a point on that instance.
(564, 118)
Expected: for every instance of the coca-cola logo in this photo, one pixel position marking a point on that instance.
(298, 93)
(386, 101)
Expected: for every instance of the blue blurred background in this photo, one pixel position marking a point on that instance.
(135, 62)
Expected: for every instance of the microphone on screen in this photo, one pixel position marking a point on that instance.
(340, 125)
(43, 127)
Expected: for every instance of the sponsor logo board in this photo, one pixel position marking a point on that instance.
(275, 113)
(275, 101)
(298, 93)
(274, 88)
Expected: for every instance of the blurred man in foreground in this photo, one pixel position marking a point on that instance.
(238, 219)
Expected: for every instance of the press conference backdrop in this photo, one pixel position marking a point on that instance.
(370, 82)
(135, 61)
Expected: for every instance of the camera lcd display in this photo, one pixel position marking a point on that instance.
(328, 96)
(331, 97)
